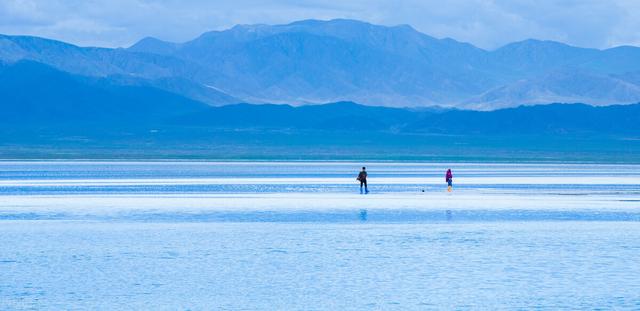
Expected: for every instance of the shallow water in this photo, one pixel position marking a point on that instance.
(256, 236)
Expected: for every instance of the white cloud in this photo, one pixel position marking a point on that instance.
(486, 23)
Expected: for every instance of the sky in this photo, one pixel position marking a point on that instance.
(487, 24)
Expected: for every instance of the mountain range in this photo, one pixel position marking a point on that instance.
(311, 62)
(39, 96)
(49, 113)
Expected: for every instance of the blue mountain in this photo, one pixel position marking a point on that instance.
(47, 112)
(37, 95)
(540, 120)
(311, 62)
(170, 74)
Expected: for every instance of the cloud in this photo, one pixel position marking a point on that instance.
(485, 23)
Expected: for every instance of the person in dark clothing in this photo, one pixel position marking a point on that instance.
(362, 177)
(449, 178)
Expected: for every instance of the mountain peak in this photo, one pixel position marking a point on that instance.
(534, 44)
(154, 46)
(315, 61)
(335, 21)
(36, 42)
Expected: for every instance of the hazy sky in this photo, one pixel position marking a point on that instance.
(485, 23)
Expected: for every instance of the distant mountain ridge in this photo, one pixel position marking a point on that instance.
(312, 61)
(39, 96)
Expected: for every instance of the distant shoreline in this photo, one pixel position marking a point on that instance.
(319, 160)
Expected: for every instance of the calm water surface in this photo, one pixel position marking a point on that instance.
(298, 236)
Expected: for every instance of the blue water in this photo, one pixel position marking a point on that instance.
(92, 245)
(267, 266)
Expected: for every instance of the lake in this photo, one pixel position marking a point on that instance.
(299, 236)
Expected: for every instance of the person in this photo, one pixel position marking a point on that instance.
(449, 179)
(362, 177)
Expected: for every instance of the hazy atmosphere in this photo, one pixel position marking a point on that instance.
(319, 155)
(485, 23)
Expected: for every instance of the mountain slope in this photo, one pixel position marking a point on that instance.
(565, 86)
(316, 61)
(168, 73)
(341, 116)
(542, 120)
(34, 94)
(532, 57)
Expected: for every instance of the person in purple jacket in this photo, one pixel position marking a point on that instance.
(449, 178)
